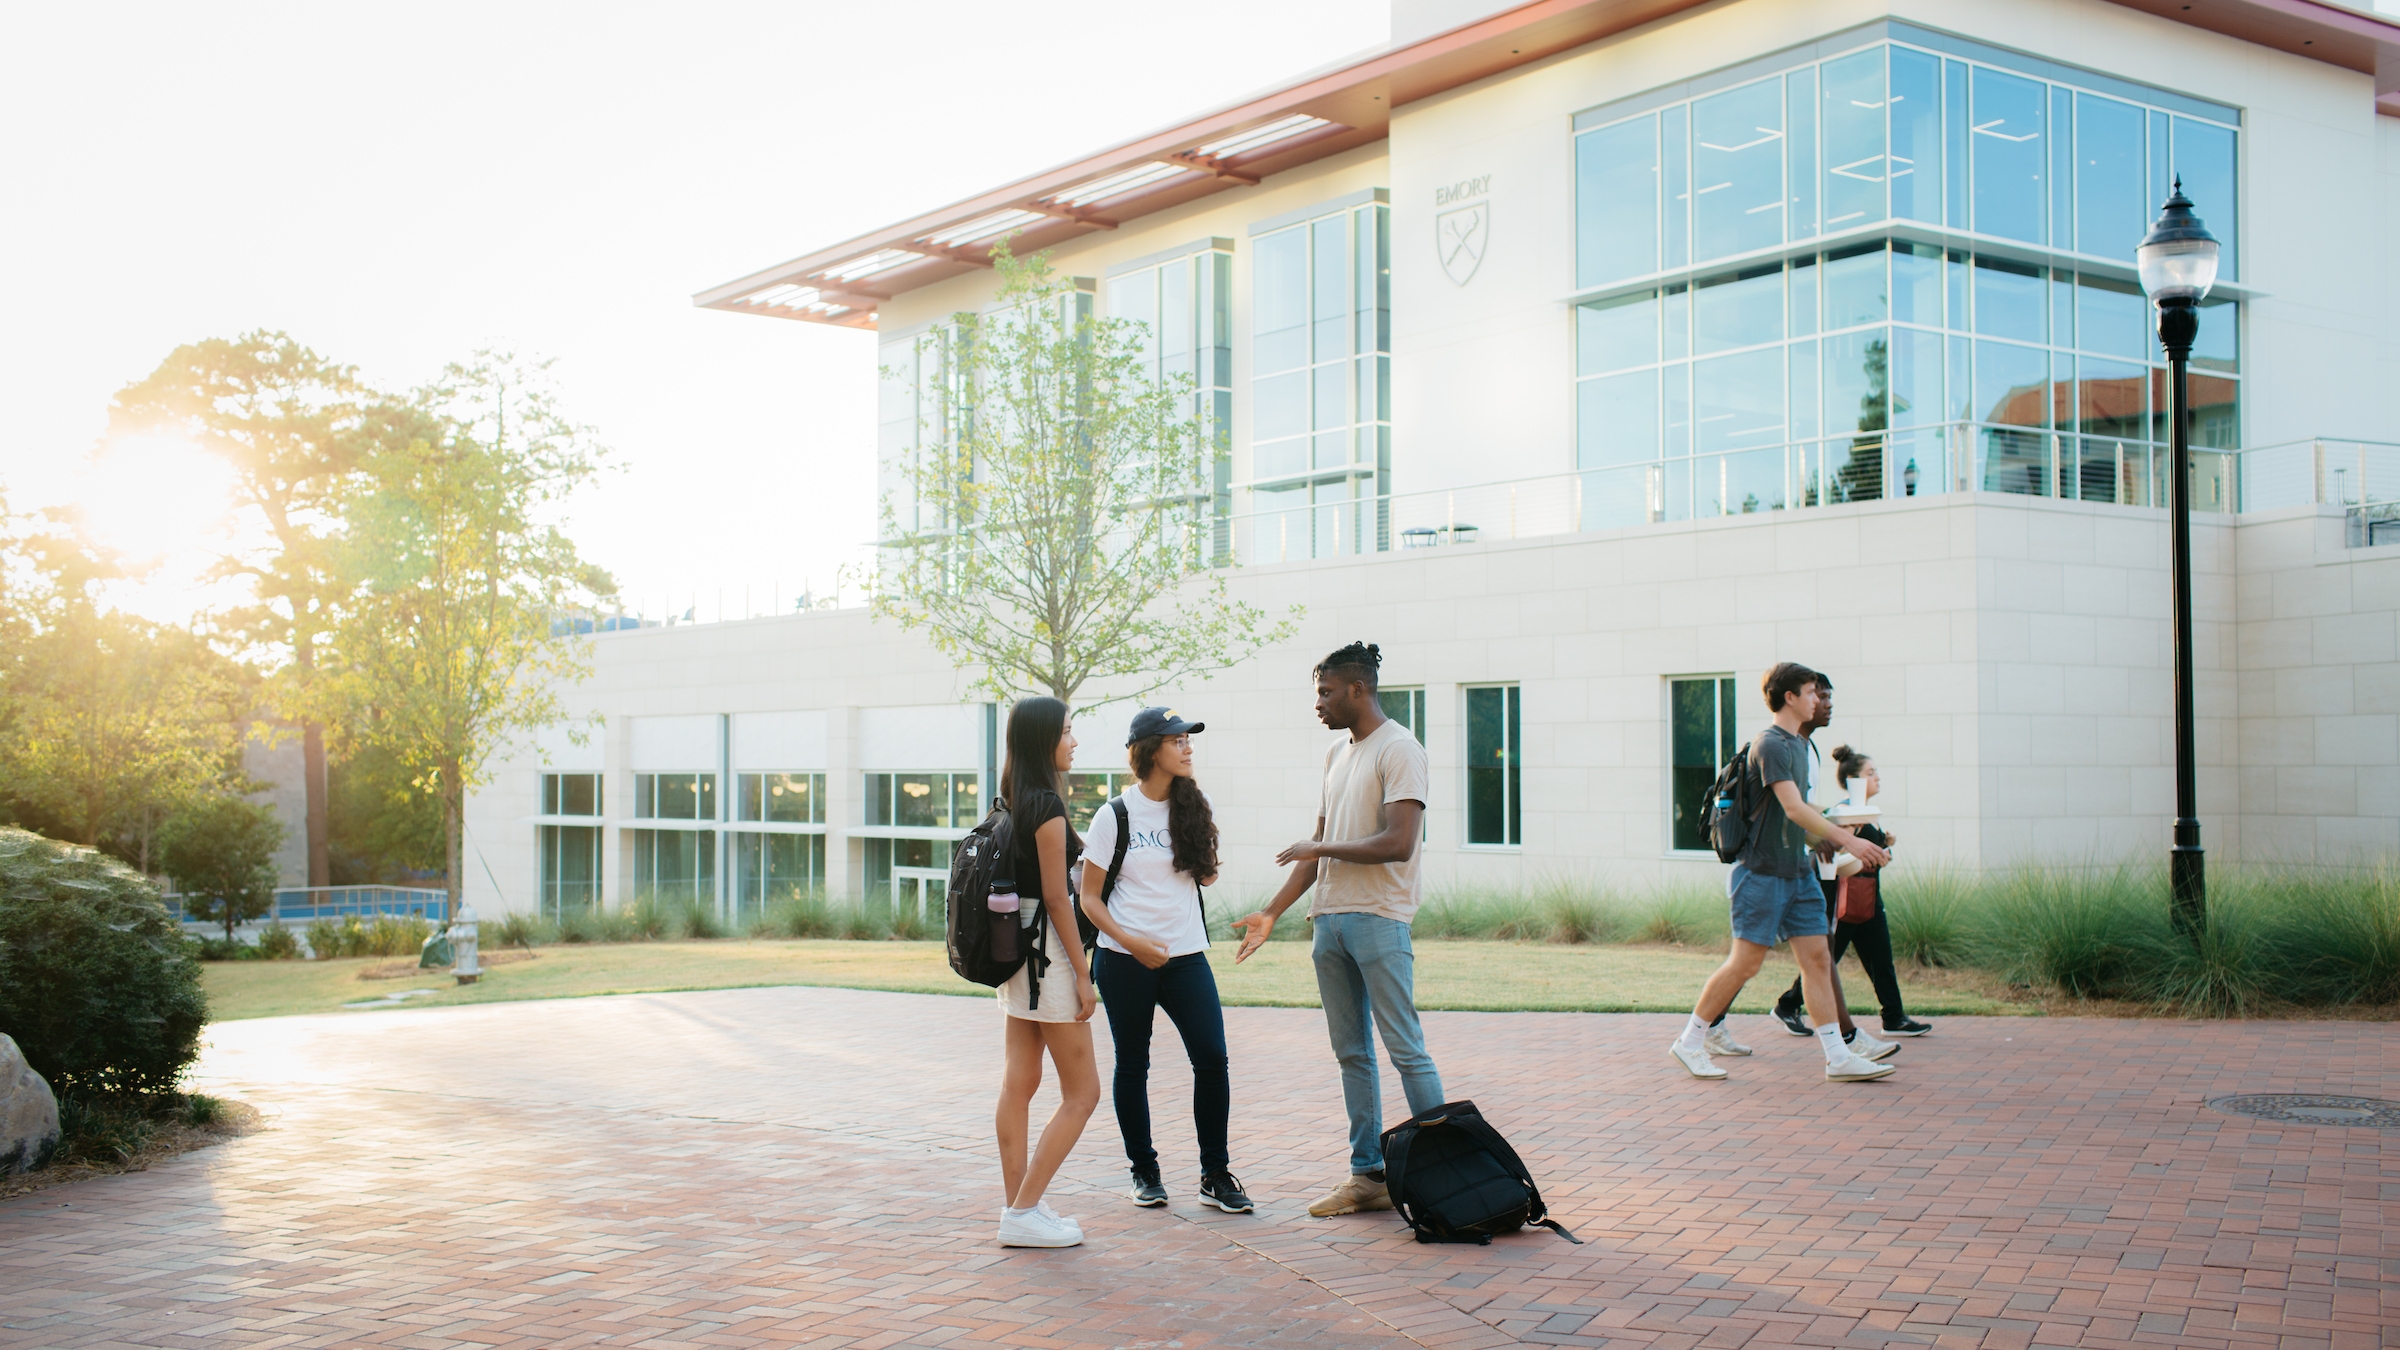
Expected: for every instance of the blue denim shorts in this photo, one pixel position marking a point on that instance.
(1766, 910)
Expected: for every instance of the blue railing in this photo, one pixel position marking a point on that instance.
(296, 905)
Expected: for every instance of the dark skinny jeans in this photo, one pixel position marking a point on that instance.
(1187, 989)
(1873, 939)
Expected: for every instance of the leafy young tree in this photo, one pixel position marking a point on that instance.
(450, 647)
(220, 850)
(1056, 532)
(289, 423)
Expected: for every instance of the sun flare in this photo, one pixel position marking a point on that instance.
(154, 496)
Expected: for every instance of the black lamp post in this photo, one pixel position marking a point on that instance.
(2178, 262)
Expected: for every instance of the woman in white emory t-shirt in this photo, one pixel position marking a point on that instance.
(1154, 949)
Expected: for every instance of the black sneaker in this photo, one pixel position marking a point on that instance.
(1906, 1026)
(1794, 1021)
(1222, 1190)
(1148, 1191)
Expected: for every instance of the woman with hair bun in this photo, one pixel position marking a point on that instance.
(1871, 936)
(1154, 949)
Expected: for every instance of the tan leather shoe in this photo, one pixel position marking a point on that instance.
(1353, 1195)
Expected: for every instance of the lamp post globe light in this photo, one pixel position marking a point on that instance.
(2178, 263)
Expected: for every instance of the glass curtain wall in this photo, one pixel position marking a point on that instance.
(1185, 307)
(1883, 366)
(1320, 395)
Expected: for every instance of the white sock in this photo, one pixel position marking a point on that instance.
(1013, 1212)
(1695, 1034)
(1829, 1036)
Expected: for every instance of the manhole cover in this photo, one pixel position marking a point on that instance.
(2301, 1109)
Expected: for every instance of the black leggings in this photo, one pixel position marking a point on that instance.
(1873, 939)
(1187, 989)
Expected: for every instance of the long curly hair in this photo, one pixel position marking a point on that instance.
(1191, 827)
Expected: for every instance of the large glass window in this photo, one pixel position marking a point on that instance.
(675, 796)
(1699, 739)
(1882, 369)
(780, 798)
(570, 868)
(906, 882)
(1887, 133)
(926, 801)
(1320, 391)
(1089, 789)
(1495, 814)
(774, 869)
(571, 794)
(675, 867)
(1185, 309)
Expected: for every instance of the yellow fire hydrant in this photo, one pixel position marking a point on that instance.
(462, 945)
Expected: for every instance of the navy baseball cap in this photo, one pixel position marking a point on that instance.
(1160, 722)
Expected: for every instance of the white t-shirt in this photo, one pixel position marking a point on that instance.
(1152, 899)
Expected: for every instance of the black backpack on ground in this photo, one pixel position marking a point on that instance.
(969, 934)
(1731, 808)
(1454, 1179)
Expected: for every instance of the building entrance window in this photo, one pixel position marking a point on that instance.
(1699, 739)
(906, 880)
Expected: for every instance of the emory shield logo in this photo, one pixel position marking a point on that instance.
(1461, 236)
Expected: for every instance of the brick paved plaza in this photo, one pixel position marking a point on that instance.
(813, 1167)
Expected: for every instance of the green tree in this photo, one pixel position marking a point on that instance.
(1055, 531)
(290, 423)
(454, 643)
(220, 850)
(107, 721)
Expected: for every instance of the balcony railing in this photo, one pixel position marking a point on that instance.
(296, 905)
(1920, 461)
(2362, 477)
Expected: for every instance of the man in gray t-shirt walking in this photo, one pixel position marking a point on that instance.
(1773, 891)
(1363, 862)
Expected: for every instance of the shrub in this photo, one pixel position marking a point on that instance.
(2081, 933)
(801, 916)
(201, 1109)
(1927, 917)
(395, 935)
(224, 949)
(278, 943)
(324, 938)
(513, 929)
(698, 922)
(614, 926)
(97, 983)
(105, 1130)
(578, 926)
(648, 920)
(910, 926)
(1685, 918)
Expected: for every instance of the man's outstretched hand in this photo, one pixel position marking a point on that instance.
(1254, 929)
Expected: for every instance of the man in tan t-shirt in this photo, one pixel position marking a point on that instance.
(1363, 862)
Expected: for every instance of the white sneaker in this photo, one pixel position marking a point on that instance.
(1076, 1224)
(1867, 1047)
(1721, 1042)
(1695, 1060)
(1852, 1069)
(1033, 1228)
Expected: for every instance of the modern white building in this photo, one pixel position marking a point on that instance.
(1591, 357)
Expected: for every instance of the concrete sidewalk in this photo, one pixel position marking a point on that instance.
(814, 1166)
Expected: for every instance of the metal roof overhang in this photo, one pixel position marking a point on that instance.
(1349, 105)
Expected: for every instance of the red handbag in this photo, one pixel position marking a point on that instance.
(1854, 900)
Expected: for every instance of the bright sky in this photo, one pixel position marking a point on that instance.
(397, 185)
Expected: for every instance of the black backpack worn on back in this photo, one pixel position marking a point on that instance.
(970, 933)
(1727, 815)
(1454, 1179)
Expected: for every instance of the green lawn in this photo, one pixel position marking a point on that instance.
(1495, 976)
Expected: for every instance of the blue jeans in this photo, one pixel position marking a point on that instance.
(1365, 965)
(1187, 989)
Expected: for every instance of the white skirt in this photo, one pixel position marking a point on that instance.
(1058, 986)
